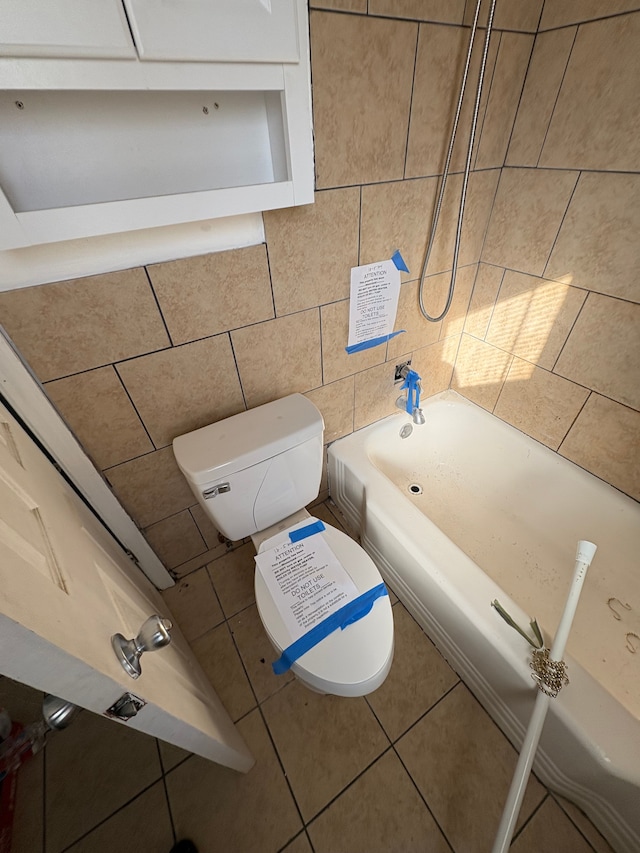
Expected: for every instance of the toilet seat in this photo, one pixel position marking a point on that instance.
(350, 662)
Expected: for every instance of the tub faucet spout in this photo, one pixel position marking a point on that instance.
(411, 403)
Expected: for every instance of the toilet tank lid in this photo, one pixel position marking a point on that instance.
(236, 443)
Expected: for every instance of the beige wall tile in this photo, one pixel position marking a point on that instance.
(550, 829)
(439, 66)
(595, 121)
(336, 363)
(362, 71)
(418, 331)
(445, 11)
(435, 365)
(75, 325)
(279, 357)
(342, 5)
(598, 246)
(376, 394)
(509, 14)
(184, 388)
(483, 298)
(198, 562)
(398, 216)
(97, 409)
(453, 323)
(526, 216)
(217, 655)
(194, 605)
(506, 87)
(605, 440)
(544, 76)
(480, 371)
(381, 811)
(312, 249)
(335, 401)
(603, 349)
(480, 198)
(151, 487)
(176, 539)
(559, 13)
(532, 317)
(205, 526)
(209, 294)
(440, 63)
(539, 403)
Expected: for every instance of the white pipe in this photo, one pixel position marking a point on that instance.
(584, 556)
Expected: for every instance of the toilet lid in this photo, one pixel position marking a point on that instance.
(346, 657)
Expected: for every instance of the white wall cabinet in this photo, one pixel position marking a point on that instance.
(207, 114)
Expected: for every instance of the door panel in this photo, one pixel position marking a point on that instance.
(66, 587)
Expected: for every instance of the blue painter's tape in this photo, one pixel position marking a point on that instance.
(374, 342)
(309, 530)
(398, 260)
(351, 612)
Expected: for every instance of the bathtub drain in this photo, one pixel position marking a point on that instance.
(415, 489)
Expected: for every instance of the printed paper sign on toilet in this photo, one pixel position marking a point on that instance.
(307, 583)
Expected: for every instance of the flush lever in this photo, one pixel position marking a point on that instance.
(214, 491)
(153, 635)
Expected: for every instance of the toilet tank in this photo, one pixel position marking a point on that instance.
(252, 470)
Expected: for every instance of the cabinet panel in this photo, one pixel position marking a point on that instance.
(70, 28)
(222, 31)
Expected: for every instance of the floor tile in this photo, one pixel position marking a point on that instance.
(232, 577)
(219, 658)
(257, 653)
(300, 844)
(144, 825)
(219, 809)
(463, 766)
(194, 605)
(28, 823)
(381, 811)
(171, 755)
(324, 742)
(419, 677)
(550, 829)
(579, 818)
(92, 769)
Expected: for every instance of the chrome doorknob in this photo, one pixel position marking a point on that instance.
(153, 635)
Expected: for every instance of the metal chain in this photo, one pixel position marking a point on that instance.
(550, 675)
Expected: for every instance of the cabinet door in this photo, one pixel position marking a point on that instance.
(215, 30)
(73, 28)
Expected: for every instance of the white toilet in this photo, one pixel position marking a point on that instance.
(253, 474)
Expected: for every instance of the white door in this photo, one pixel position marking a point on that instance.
(66, 587)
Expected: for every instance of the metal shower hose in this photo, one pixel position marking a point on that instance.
(465, 180)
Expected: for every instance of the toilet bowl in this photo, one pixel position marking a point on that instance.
(253, 474)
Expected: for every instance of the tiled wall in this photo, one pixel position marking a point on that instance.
(134, 358)
(551, 340)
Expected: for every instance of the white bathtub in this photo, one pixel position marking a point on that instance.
(500, 516)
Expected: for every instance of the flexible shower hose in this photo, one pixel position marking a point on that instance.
(445, 174)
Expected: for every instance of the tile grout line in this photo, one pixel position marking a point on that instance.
(166, 792)
(413, 86)
(138, 415)
(562, 221)
(590, 20)
(573, 422)
(524, 83)
(157, 301)
(557, 98)
(566, 340)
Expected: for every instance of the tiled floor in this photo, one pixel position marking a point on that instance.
(416, 766)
